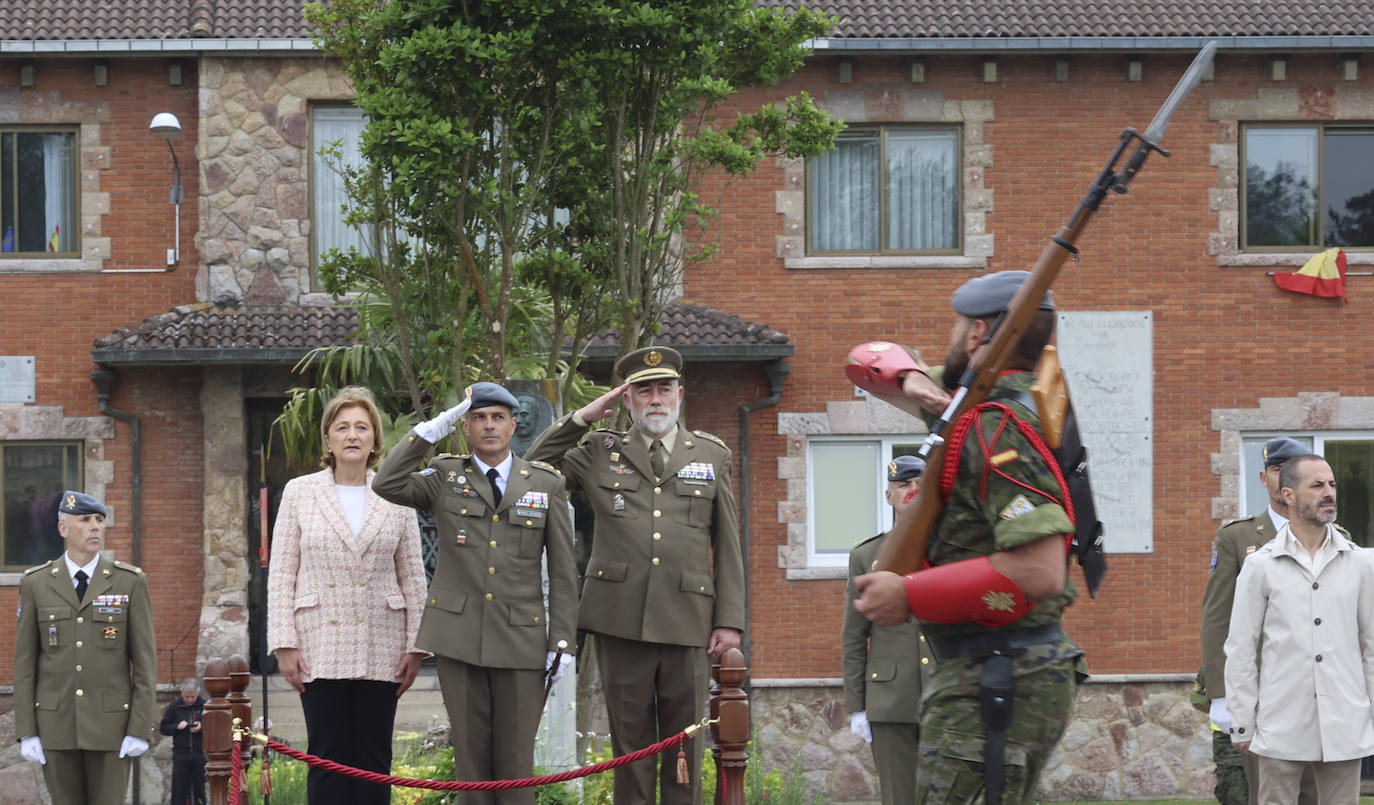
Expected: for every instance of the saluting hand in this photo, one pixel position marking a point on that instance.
(882, 598)
(602, 406)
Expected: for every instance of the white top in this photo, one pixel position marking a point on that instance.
(1277, 519)
(72, 567)
(502, 470)
(353, 499)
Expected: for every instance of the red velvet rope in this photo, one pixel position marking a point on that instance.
(475, 785)
(236, 773)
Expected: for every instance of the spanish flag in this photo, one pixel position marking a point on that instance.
(1323, 275)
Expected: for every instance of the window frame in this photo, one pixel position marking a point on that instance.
(78, 473)
(1321, 128)
(1251, 441)
(312, 184)
(74, 189)
(886, 445)
(884, 183)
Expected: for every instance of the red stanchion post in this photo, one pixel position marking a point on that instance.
(216, 733)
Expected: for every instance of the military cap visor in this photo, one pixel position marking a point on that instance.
(651, 363)
(485, 395)
(77, 503)
(990, 294)
(1281, 448)
(903, 468)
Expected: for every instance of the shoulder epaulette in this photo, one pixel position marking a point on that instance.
(709, 437)
(546, 467)
(866, 539)
(37, 568)
(128, 567)
(1235, 520)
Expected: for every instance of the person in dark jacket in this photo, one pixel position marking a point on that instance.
(182, 721)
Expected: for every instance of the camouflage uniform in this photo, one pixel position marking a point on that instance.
(984, 513)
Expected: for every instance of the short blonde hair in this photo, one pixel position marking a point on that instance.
(347, 396)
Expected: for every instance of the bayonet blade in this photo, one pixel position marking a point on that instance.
(1155, 131)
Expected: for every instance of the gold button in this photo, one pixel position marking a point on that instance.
(658, 490)
(616, 485)
(925, 661)
(496, 518)
(529, 522)
(875, 676)
(923, 638)
(658, 513)
(655, 560)
(78, 669)
(598, 574)
(52, 617)
(489, 596)
(491, 571)
(698, 491)
(126, 706)
(410, 439)
(462, 511)
(79, 644)
(493, 543)
(657, 535)
(536, 618)
(80, 619)
(80, 692)
(433, 601)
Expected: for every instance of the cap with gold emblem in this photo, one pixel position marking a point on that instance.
(74, 502)
(903, 467)
(650, 363)
(1281, 448)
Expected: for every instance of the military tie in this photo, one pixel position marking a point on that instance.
(656, 458)
(493, 476)
(81, 579)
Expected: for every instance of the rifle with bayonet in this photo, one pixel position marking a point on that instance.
(905, 551)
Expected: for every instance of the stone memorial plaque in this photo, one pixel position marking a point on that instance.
(1108, 357)
(16, 378)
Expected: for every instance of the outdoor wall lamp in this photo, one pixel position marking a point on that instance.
(166, 126)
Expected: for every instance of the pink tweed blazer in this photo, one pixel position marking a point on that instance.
(351, 606)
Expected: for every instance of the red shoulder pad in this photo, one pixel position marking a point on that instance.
(877, 366)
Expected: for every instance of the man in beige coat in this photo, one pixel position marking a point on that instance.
(665, 581)
(1300, 668)
(85, 663)
(883, 676)
(497, 515)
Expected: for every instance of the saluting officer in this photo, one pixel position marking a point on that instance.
(664, 507)
(85, 663)
(882, 677)
(497, 516)
(1237, 772)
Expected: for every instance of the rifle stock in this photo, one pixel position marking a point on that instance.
(905, 550)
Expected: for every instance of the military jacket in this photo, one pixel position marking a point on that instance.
(486, 601)
(665, 565)
(84, 671)
(885, 667)
(1005, 495)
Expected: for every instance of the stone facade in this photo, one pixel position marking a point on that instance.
(224, 608)
(1128, 740)
(254, 238)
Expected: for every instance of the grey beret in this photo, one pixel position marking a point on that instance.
(1281, 448)
(485, 395)
(903, 467)
(990, 294)
(74, 503)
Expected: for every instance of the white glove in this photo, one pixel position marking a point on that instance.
(563, 663)
(443, 424)
(132, 747)
(32, 750)
(858, 724)
(1220, 715)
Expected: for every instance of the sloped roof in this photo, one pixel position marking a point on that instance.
(158, 19)
(203, 333)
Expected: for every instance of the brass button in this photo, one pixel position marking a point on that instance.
(433, 601)
(52, 617)
(616, 485)
(493, 543)
(111, 619)
(410, 439)
(536, 618)
(658, 490)
(462, 511)
(78, 669)
(925, 661)
(496, 518)
(126, 705)
(701, 589)
(529, 522)
(491, 571)
(658, 513)
(923, 638)
(698, 491)
(80, 619)
(79, 644)
(489, 596)
(875, 676)
(598, 574)
(657, 535)
(655, 560)
(80, 692)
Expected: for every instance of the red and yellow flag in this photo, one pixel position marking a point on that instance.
(1323, 275)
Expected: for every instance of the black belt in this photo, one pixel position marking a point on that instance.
(990, 643)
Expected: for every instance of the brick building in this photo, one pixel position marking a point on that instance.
(971, 137)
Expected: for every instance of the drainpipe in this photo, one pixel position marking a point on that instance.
(777, 372)
(103, 378)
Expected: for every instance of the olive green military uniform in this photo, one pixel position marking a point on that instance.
(883, 678)
(1237, 772)
(484, 615)
(994, 506)
(652, 594)
(84, 676)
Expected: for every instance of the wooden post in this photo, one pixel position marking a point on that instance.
(713, 710)
(731, 734)
(217, 720)
(241, 709)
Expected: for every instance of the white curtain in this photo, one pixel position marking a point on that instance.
(922, 195)
(57, 197)
(342, 124)
(844, 195)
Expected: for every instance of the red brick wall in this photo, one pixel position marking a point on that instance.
(1224, 336)
(56, 316)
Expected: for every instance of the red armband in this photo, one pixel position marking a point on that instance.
(971, 590)
(877, 366)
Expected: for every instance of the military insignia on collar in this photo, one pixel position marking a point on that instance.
(1249, 549)
(452, 476)
(1019, 505)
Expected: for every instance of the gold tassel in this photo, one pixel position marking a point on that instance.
(682, 776)
(265, 778)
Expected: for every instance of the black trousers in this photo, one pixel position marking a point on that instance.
(188, 779)
(349, 721)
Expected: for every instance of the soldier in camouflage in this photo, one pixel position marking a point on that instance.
(991, 602)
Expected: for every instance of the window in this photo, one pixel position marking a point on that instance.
(38, 192)
(32, 478)
(846, 480)
(890, 190)
(1308, 186)
(1351, 456)
(331, 126)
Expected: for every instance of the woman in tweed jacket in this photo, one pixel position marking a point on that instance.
(345, 593)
